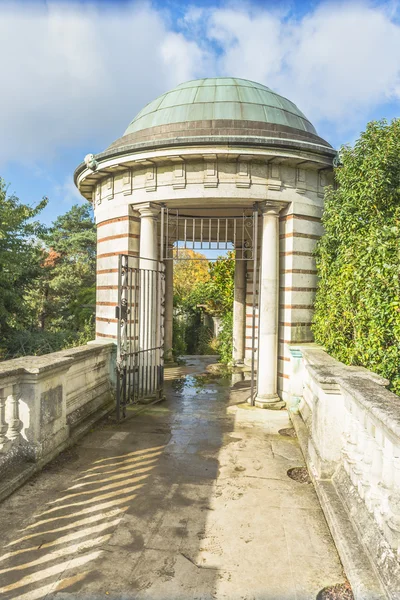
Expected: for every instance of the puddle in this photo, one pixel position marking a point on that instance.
(299, 474)
(203, 382)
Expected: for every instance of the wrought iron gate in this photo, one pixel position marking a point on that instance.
(140, 315)
(181, 231)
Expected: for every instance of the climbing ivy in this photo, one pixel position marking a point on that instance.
(357, 316)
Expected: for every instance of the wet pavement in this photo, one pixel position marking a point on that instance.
(186, 499)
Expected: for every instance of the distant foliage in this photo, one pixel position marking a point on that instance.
(64, 296)
(357, 316)
(190, 271)
(179, 338)
(20, 260)
(225, 338)
(203, 288)
(47, 278)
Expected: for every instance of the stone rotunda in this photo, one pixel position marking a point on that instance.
(214, 163)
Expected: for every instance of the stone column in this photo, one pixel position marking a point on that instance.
(168, 308)
(149, 326)
(267, 372)
(148, 248)
(148, 256)
(239, 312)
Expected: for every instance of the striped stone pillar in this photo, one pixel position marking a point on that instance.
(115, 236)
(299, 234)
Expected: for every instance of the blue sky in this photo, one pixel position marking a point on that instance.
(74, 74)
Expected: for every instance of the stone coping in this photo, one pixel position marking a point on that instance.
(357, 383)
(327, 369)
(48, 362)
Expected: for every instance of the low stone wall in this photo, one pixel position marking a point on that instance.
(348, 424)
(47, 401)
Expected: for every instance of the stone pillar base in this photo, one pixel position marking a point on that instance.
(271, 403)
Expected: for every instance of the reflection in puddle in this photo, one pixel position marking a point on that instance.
(209, 383)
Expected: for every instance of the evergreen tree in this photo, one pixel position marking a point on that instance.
(20, 258)
(67, 286)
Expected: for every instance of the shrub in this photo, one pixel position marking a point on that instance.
(225, 339)
(357, 316)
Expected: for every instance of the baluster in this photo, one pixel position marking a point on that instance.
(352, 454)
(359, 467)
(5, 442)
(367, 460)
(15, 424)
(372, 498)
(392, 525)
(386, 483)
(346, 438)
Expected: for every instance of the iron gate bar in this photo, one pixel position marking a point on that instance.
(139, 360)
(217, 238)
(253, 320)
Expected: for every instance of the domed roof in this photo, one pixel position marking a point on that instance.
(223, 110)
(220, 98)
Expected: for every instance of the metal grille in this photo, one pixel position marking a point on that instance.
(140, 314)
(180, 231)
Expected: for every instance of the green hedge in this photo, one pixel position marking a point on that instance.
(357, 317)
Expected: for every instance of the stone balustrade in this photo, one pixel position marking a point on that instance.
(349, 427)
(47, 401)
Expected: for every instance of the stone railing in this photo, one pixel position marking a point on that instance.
(348, 424)
(47, 401)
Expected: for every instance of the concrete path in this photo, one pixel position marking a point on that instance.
(189, 499)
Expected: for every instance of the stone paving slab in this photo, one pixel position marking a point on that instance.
(188, 499)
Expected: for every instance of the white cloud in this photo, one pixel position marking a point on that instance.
(67, 192)
(77, 74)
(74, 75)
(252, 44)
(337, 63)
(182, 57)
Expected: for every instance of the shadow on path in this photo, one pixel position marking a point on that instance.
(183, 500)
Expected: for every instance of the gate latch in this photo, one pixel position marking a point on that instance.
(121, 312)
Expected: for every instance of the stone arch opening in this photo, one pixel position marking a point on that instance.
(194, 156)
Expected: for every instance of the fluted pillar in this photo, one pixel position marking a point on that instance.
(267, 372)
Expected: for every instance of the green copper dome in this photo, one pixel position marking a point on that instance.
(223, 98)
(220, 111)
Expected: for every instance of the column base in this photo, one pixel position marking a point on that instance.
(272, 402)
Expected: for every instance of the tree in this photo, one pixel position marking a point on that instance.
(203, 287)
(65, 294)
(218, 290)
(190, 270)
(357, 316)
(20, 257)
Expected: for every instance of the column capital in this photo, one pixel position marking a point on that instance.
(147, 209)
(270, 207)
